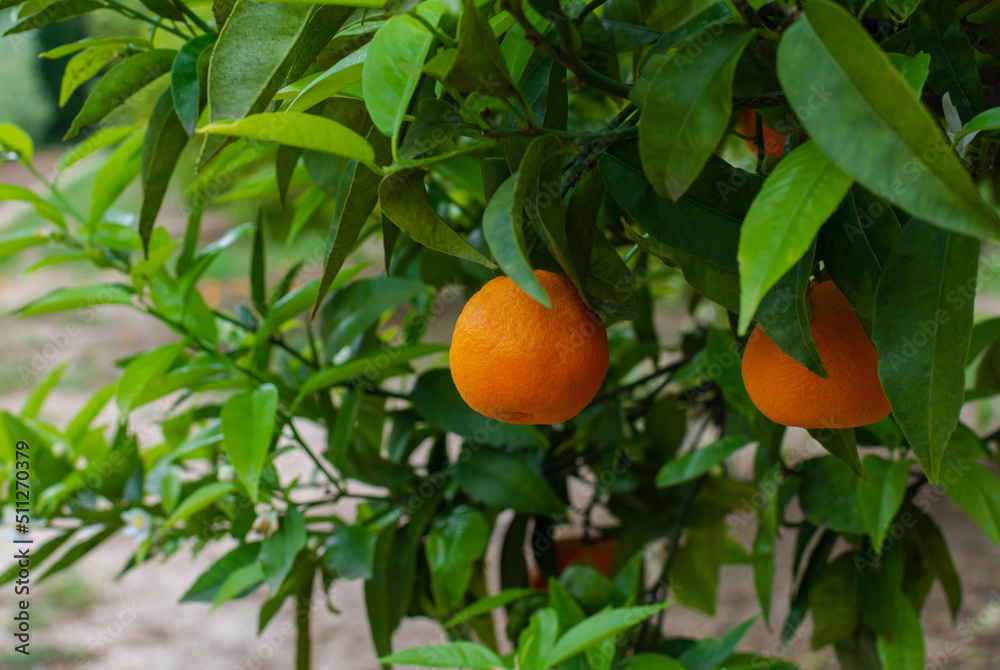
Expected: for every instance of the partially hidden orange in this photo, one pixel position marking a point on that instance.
(517, 361)
(774, 142)
(786, 392)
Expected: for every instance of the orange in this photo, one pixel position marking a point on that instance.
(774, 142)
(786, 392)
(514, 360)
(598, 553)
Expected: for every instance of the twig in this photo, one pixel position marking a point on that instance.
(591, 6)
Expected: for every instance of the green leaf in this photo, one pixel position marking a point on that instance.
(674, 141)
(504, 481)
(278, 551)
(143, 371)
(854, 245)
(487, 605)
(33, 403)
(84, 65)
(535, 641)
(189, 80)
(438, 401)
(698, 461)
(764, 543)
(124, 165)
(503, 228)
(842, 443)
(403, 198)
(77, 297)
(865, 117)
(459, 654)
(373, 4)
(935, 555)
(207, 585)
(798, 197)
(667, 15)
(700, 233)
(988, 120)
(248, 420)
(350, 552)
(902, 8)
(975, 489)
(696, 570)
(55, 13)
(828, 495)
(393, 67)
(903, 647)
(13, 139)
(921, 330)
(12, 243)
(134, 43)
(984, 333)
(785, 312)
(455, 543)
(165, 141)
(882, 495)
(98, 140)
(239, 86)
(834, 602)
(78, 551)
(935, 30)
(914, 70)
(344, 72)
(598, 627)
(708, 653)
(368, 366)
(294, 129)
(650, 662)
(239, 583)
(37, 556)
(477, 65)
(197, 501)
(120, 83)
(258, 266)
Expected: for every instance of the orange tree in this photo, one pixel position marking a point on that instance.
(597, 141)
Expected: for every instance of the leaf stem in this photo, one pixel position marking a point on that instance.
(447, 39)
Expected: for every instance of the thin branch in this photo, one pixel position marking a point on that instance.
(760, 101)
(591, 6)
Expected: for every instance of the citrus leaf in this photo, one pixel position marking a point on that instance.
(189, 80)
(55, 13)
(503, 228)
(78, 296)
(295, 129)
(84, 65)
(921, 330)
(935, 30)
(842, 443)
(598, 627)
(686, 105)
(248, 421)
(459, 654)
(867, 119)
(164, 142)
(699, 461)
(120, 83)
(882, 495)
(975, 489)
(798, 197)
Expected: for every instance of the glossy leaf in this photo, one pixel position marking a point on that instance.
(798, 197)
(477, 64)
(403, 198)
(503, 228)
(785, 312)
(698, 461)
(921, 331)
(345, 72)
(278, 551)
(189, 81)
(165, 141)
(393, 67)
(674, 142)
(248, 421)
(988, 120)
(828, 495)
(598, 627)
(842, 443)
(504, 481)
(438, 401)
(197, 501)
(455, 543)
(882, 495)
(239, 86)
(84, 65)
(120, 83)
(350, 552)
(306, 131)
(976, 490)
(708, 653)
(935, 30)
(865, 117)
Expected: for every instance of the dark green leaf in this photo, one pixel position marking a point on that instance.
(278, 551)
(828, 495)
(935, 30)
(881, 496)
(921, 330)
(666, 15)
(698, 461)
(248, 421)
(403, 198)
(162, 147)
(438, 401)
(598, 627)
(120, 83)
(55, 13)
(506, 482)
(350, 552)
(834, 602)
(843, 444)
(476, 65)
(975, 489)
(675, 143)
(867, 119)
(455, 543)
(357, 307)
(709, 653)
(785, 311)
(188, 81)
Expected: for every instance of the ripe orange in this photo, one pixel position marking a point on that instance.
(598, 553)
(516, 361)
(774, 142)
(786, 392)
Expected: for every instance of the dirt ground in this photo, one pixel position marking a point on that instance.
(83, 619)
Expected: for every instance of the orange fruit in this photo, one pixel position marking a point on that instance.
(514, 360)
(597, 553)
(786, 392)
(774, 142)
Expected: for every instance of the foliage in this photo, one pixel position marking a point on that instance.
(592, 140)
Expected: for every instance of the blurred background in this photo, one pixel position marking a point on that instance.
(83, 618)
